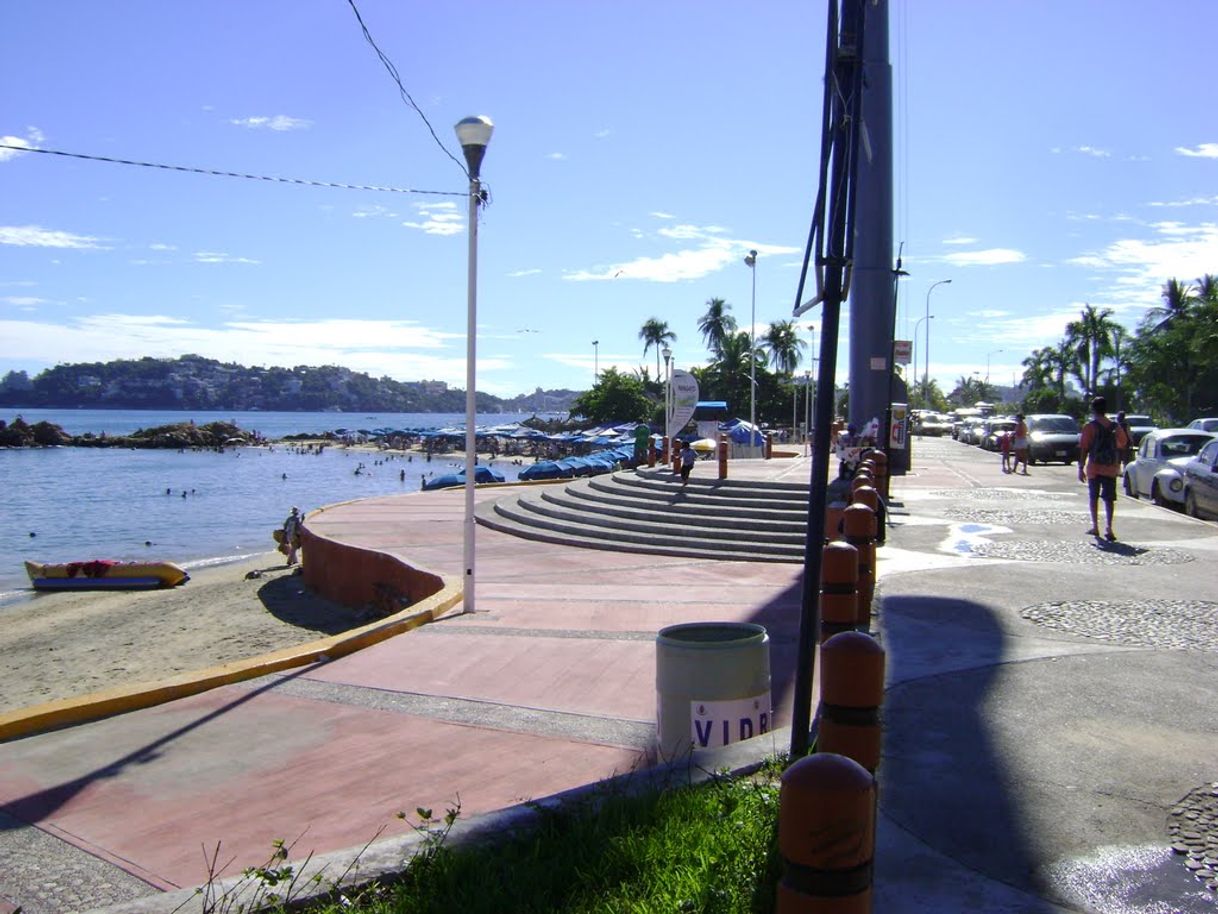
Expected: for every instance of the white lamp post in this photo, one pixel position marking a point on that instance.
(987, 363)
(925, 384)
(667, 353)
(751, 262)
(596, 361)
(926, 360)
(473, 133)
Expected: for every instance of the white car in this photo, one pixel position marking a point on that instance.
(1158, 470)
(1206, 425)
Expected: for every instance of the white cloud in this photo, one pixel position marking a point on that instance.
(712, 253)
(1134, 269)
(516, 274)
(279, 123)
(1192, 201)
(987, 258)
(601, 134)
(961, 239)
(22, 301)
(220, 257)
(374, 210)
(658, 214)
(399, 349)
(33, 137)
(556, 156)
(1093, 151)
(437, 219)
(989, 313)
(1201, 151)
(38, 237)
(157, 246)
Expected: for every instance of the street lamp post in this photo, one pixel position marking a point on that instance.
(808, 405)
(918, 323)
(473, 133)
(987, 363)
(751, 262)
(926, 358)
(667, 353)
(596, 361)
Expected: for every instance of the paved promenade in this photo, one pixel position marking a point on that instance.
(1051, 702)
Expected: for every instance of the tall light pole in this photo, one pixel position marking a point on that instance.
(808, 404)
(918, 323)
(987, 363)
(667, 353)
(473, 133)
(926, 358)
(596, 361)
(751, 262)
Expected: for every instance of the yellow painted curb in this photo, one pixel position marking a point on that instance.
(83, 708)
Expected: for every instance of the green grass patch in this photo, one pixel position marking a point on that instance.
(706, 848)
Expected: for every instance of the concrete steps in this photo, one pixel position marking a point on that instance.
(649, 511)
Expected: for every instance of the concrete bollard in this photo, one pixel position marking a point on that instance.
(769, 445)
(858, 523)
(852, 690)
(665, 454)
(826, 835)
(722, 453)
(651, 452)
(866, 495)
(839, 582)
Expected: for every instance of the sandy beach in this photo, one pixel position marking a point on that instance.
(63, 644)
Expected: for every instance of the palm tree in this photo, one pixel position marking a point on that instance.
(1039, 368)
(655, 332)
(732, 367)
(716, 325)
(1091, 337)
(784, 345)
(1177, 298)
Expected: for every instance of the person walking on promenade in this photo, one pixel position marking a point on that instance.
(688, 456)
(1020, 444)
(1100, 447)
(1004, 443)
(291, 534)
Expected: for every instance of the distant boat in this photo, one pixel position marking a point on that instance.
(102, 574)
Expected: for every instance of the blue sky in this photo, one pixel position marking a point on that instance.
(1047, 154)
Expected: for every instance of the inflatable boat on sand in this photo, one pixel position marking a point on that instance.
(102, 574)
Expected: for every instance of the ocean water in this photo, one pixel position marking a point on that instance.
(70, 504)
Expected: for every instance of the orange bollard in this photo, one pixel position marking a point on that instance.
(722, 449)
(769, 445)
(676, 458)
(867, 495)
(826, 835)
(651, 452)
(665, 454)
(858, 523)
(851, 690)
(860, 480)
(881, 472)
(839, 582)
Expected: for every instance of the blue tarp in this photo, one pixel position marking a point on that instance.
(452, 480)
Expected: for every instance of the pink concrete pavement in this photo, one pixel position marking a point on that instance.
(562, 633)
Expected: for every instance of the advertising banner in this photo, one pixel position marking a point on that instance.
(684, 400)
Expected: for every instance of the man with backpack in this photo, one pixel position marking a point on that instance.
(1099, 462)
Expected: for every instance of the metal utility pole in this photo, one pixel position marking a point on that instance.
(831, 239)
(872, 294)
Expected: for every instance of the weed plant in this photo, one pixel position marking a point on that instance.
(708, 848)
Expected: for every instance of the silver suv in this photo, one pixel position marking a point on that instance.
(1052, 437)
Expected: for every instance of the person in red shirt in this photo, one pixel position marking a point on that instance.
(1099, 463)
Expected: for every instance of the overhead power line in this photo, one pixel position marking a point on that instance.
(307, 182)
(406, 97)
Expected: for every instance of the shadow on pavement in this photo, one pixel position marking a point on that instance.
(943, 778)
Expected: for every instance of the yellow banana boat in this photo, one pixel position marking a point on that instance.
(103, 574)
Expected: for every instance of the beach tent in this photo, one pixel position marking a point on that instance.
(738, 431)
(452, 480)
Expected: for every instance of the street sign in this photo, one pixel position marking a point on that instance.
(901, 351)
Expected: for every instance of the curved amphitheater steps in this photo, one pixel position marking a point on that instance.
(649, 511)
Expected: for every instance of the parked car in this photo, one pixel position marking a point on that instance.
(970, 431)
(994, 429)
(935, 425)
(1201, 483)
(1158, 470)
(1139, 427)
(1052, 437)
(1206, 425)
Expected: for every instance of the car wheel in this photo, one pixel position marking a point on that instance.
(1130, 491)
(1156, 496)
(1190, 504)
